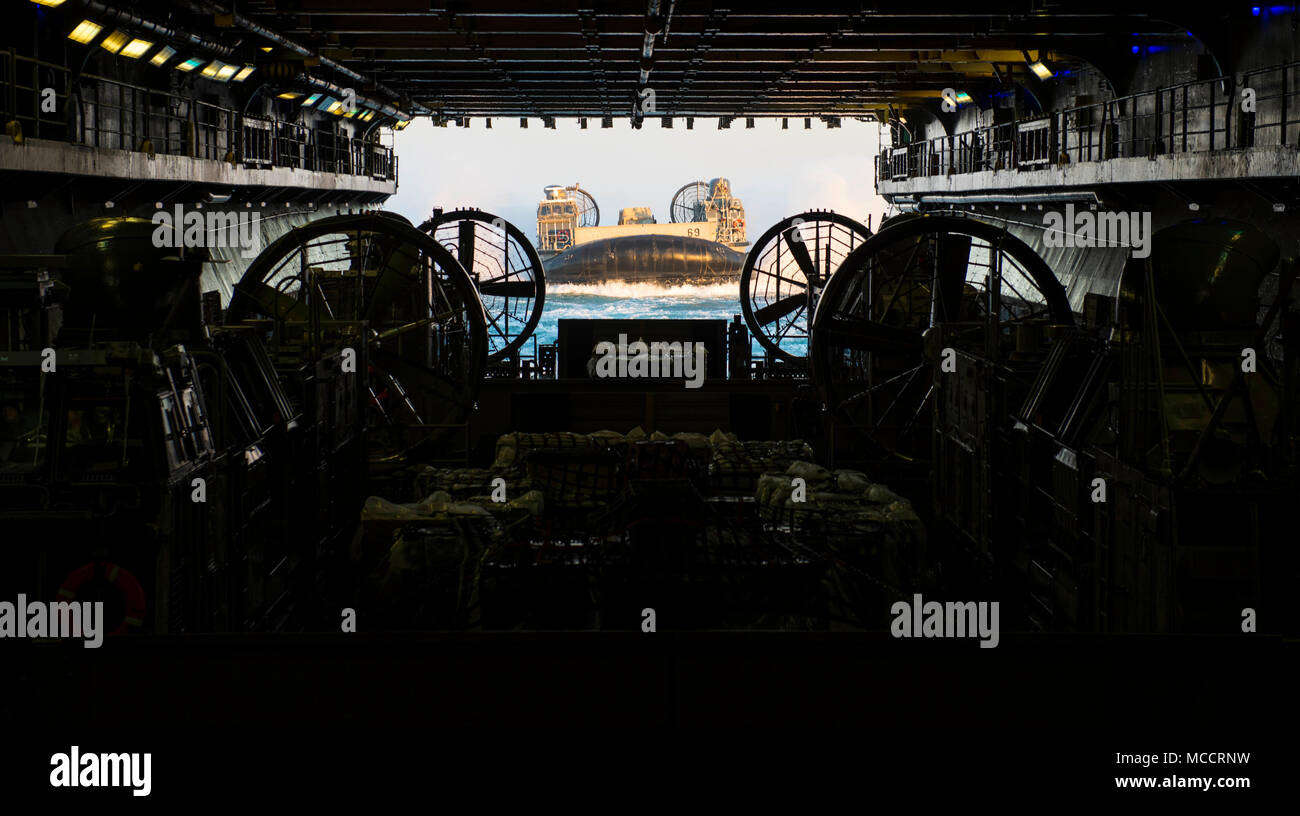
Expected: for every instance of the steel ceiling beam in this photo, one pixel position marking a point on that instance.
(757, 57)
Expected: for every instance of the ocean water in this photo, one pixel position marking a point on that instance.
(719, 301)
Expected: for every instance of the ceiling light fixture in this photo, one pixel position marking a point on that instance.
(1039, 67)
(114, 42)
(85, 32)
(165, 53)
(136, 49)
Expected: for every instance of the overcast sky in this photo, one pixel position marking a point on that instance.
(503, 170)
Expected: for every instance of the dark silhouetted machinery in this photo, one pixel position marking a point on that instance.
(1169, 406)
(507, 273)
(1126, 474)
(204, 477)
(376, 289)
(873, 351)
(111, 482)
(785, 272)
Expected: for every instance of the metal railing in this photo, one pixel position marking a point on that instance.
(1205, 115)
(24, 82)
(49, 102)
(257, 142)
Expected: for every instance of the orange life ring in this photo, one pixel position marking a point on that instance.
(738, 224)
(121, 578)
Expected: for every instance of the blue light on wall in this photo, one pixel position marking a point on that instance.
(1260, 11)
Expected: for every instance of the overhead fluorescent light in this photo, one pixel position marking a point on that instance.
(136, 48)
(401, 125)
(311, 100)
(1040, 70)
(334, 106)
(85, 32)
(189, 64)
(226, 72)
(50, 3)
(963, 98)
(210, 70)
(114, 42)
(266, 48)
(165, 53)
(288, 95)
(244, 73)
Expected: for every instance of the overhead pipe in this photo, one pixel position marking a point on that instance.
(206, 7)
(173, 34)
(654, 24)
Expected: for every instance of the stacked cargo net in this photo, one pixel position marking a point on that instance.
(711, 569)
(425, 560)
(460, 483)
(736, 466)
(568, 530)
(871, 538)
(543, 581)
